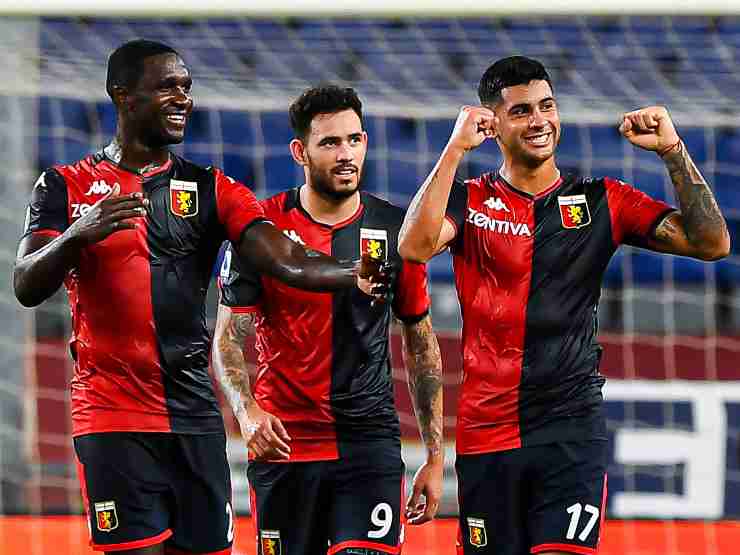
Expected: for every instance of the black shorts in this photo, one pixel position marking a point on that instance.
(141, 489)
(533, 500)
(314, 508)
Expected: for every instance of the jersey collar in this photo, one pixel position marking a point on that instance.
(112, 154)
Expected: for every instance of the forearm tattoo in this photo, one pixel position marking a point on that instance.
(230, 362)
(424, 369)
(701, 217)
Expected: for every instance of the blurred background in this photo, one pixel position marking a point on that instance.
(670, 326)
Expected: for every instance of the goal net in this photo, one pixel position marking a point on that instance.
(669, 325)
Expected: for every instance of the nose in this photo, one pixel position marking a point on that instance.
(537, 119)
(344, 152)
(183, 97)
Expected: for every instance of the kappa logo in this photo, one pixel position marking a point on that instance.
(106, 516)
(484, 221)
(292, 234)
(99, 188)
(495, 203)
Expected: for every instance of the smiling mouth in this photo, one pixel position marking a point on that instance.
(345, 172)
(177, 119)
(540, 139)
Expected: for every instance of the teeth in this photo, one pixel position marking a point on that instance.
(176, 118)
(539, 139)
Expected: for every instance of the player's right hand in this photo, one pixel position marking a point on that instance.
(114, 212)
(474, 125)
(267, 439)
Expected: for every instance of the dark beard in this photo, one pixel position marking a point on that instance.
(322, 186)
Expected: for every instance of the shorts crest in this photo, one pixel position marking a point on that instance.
(106, 516)
(477, 530)
(270, 542)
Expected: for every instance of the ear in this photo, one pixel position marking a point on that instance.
(122, 99)
(298, 150)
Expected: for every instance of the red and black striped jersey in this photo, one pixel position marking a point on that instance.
(139, 336)
(323, 361)
(528, 271)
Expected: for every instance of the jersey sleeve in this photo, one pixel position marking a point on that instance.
(47, 211)
(634, 214)
(238, 208)
(411, 299)
(241, 288)
(457, 205)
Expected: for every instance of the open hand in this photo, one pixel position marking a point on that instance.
(112, 213)
(265, 435)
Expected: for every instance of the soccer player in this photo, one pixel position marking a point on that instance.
(133, 232)
(530, 247)
(321, 428)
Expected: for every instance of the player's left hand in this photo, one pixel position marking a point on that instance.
(374, 278)
(428, 483)
(650, 128)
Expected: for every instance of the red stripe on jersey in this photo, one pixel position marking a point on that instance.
(294, 348)
(602, 523)
(493, 267)
(117, 384)
(47, 233)
(236, 205)
(136, 544)
(633, 213)
(363, 545)
(563, 548)
(169, 550)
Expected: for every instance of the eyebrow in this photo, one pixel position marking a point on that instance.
(527, 105)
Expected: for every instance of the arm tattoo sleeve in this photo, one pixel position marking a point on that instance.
(701, 217)
(424, 373)
(228, 355)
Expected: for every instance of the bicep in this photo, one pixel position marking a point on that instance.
(266, 248)
(670, 237)
(446, 236)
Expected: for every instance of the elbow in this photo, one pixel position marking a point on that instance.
(716, 251)
(23, 293)
(414, 253)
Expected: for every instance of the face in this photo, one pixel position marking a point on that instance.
(528, 127)
(334, 153)
(161, 101)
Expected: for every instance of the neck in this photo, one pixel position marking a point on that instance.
(327, 210)
(532, 180)
(132, 153)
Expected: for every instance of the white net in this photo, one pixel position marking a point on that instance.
(663, 319)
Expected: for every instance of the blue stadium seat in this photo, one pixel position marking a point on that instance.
(281, 172)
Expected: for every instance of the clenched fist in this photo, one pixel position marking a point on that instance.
(650, 128)
(474, 125)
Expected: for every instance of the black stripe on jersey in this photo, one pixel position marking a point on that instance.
(559, 378)
(182, 253)
(49, 204)
(362, 386)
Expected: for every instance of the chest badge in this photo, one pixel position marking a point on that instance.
(183, 198)
(375, 243)
(574, 211)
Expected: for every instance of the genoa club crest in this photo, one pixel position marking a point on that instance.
(106, 516)
(574, 211)
(375, 243)
(270, 542)
(183, 198)
(477, 530)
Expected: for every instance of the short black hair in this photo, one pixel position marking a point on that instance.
(125, 64)
(324, 99)
(509, 72)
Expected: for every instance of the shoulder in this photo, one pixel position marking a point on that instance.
(189, 170)
(382, 208)
(276, 204)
